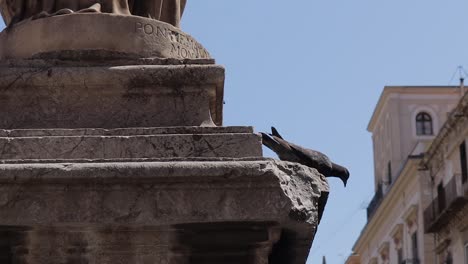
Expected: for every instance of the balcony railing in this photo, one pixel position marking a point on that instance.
(375, 202)
(453, 197)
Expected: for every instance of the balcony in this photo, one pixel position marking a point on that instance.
(451, 198)
(375, 202)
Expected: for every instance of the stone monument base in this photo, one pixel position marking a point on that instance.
(123, 93)
(121, 161)
(134, 35)
(129, 143)
(223, 242)
(238, 211)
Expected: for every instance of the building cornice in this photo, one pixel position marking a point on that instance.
(408, 92)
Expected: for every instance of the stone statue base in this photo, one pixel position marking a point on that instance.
(69, 94)
(137, 36)
(198, 196)
(138, 144)
(89, 172)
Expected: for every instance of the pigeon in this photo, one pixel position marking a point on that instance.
(288, 151)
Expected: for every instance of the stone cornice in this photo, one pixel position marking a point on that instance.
(418, 91)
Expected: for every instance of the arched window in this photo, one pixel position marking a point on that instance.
(424, 124)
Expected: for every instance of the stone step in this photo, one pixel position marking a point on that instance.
(129, 143)
(125, 131)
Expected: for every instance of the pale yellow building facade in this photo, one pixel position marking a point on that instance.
(446, 176)
(405, 122)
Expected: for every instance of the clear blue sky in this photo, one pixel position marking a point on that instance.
(315, 69)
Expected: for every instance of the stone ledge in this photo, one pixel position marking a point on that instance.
(134, 160)
(131, 147)
(125, 131)
(94, 58)
(128, 144)
(156, 194)
(246, 180)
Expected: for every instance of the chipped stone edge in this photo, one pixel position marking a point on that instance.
(302, 185)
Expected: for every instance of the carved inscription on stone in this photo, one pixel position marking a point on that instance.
(182, 45)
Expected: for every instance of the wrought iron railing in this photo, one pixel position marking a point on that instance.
(437, 212)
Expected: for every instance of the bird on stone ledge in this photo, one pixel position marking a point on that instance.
(288, 151)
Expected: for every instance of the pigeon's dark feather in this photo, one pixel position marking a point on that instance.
(291, 152)
(275, 133)
(280, 147)
(313, 159)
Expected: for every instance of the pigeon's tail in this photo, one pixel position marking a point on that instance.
(270, 143)
(340, 172)
(275, 132)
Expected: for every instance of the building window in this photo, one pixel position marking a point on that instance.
(414, 247)
(463, 162)
(448, 258)
(400, 255)
(440, 198)
(389, 173)
(424, 124)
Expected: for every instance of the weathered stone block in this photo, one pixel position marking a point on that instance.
(159, 212)
(130, 143)
(45, 95)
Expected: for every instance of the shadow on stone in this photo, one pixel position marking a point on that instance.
(224, 242)
(13, 244)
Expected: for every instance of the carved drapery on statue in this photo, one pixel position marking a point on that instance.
(169, 11)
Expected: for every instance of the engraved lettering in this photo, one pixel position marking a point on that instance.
(138, 26)
(149, 29)
(198, 52)
(184, 53)
(175, 49)
(173, 36)
(160, 32)
(182, 46)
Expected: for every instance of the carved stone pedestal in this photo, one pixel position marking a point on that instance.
(123, 163)
(213, 211)
(60, 94)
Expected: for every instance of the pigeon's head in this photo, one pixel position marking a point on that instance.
(340, 172)
(345, 176)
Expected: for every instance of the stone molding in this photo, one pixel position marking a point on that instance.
(137, 36)
(128, 144)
